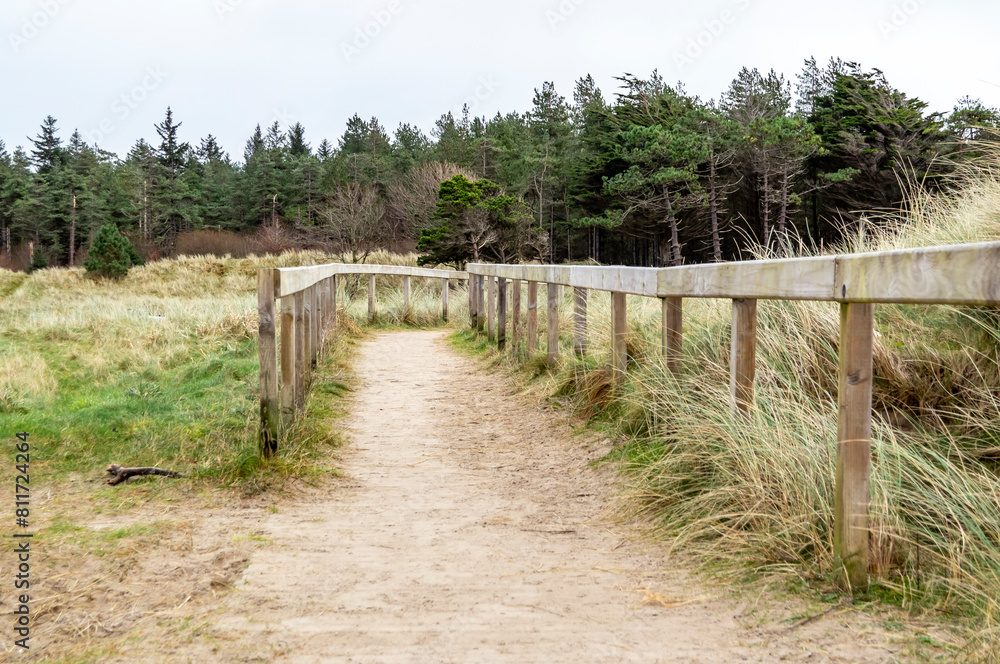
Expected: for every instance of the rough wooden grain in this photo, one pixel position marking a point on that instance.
(288, 359)
(294, 279)
(481, 303)
(619, 346)
(406, 298)
(673, 322)
(444, 299)
(580, 321)
(854, 423)
(743, 358)
(502, 314)
(299, 313)
(371, 298)
(961, 274)
(515, 310)
(270, 409)
(552, 321)
(491, 309)
(532, 341)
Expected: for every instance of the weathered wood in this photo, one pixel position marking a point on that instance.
(472, 301)
(532, 344)
(854, 430)
(294, 279)
(743, 358)
(502, 314)
(634, 280)
(307, 340)
(580, 321)
(406, 298)
(444, 299)
(619, 345)
(288, 359)
(552, 321)
(515, 309)
(481, 303)
(301, 338)
(491, 309)
(371, 298)
(784, 279)
(959, 274)
(120, 474)
(270, 409)
(313, 323)
(673, 321)
(334, 314)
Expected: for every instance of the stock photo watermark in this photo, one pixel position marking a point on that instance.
(123, 106)
(712, 30)
(898, 17)
(487, 86)
(562, 13)
(365, 34)
(33, 24)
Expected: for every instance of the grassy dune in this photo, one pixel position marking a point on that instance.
(160, 368)
(754, 497)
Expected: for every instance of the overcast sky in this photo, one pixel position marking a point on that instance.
(111, 67)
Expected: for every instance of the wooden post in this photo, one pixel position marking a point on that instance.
(306, 340)
(406, 298)
(314, 324)
(532, 317)
(580, 321)
(552, 290)
(502, 314)
(481, 303)
(371, 298)
(491, 308)
(322, 295)
(743, 358)
(288, 359)
(854, 432)
(515, 308)
(301, 338)
(472, 301)
(673, 321)
(444, 299)
(619, 347)
(334, 316)
(270, 411)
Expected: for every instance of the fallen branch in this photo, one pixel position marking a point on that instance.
(121, 474)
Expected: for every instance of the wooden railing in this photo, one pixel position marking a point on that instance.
(960, 274)
(308, 297)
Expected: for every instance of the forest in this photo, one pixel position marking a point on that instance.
(653, 176)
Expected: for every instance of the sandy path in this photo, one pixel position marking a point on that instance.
(468, 529)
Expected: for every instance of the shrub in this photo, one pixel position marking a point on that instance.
(111, 254)
(38, 262)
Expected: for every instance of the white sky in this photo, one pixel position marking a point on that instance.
(226, 65)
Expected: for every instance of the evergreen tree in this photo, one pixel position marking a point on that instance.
(111, 255)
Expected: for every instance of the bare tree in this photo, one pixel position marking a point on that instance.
(353, 217)
(412, 200)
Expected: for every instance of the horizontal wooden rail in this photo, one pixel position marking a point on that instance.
(955, 274)
(965, 274)
(290, 280)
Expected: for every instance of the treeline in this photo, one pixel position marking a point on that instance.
(655, 176)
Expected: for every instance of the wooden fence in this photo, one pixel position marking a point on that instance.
(960, 274)
(308, 297)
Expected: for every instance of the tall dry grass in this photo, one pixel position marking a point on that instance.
(755, 494)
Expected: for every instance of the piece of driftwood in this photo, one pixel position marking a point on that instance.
(121, 474)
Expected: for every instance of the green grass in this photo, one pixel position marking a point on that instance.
(162, 369)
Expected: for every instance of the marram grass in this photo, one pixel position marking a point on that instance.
(754, 495)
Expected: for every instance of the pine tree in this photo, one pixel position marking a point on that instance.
(111, 255)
